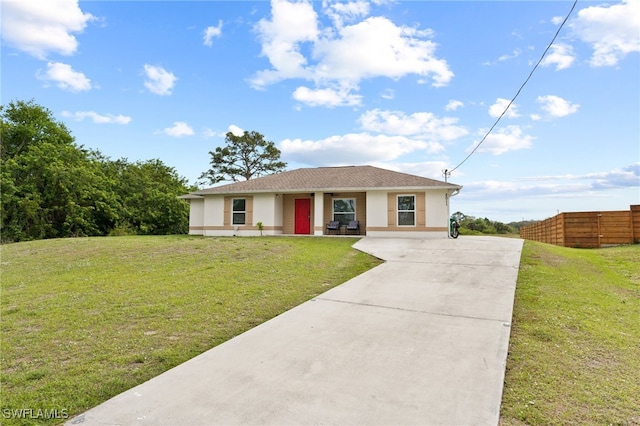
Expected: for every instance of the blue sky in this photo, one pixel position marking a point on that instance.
(411, 86)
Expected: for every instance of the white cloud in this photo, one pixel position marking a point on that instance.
(544, 196)
(453, 105)
(345, 12)
(557, 20)
(626, 177)
(388, 94)
(97, 118)
(159, 80)
(326, 97)
(507, 56)
(500, 190)
(342, 55)
(386, 136)
(291, 24)
(555, 106)
(498, 108)
(40, 27)
(504, 140)
(376, 47)
(428, 169)
(423, 125)
(65, 77)
(210, 133)
(514, 54)
(354, 148)
(588, 185)
(179, 129)
(237, 131)
(561, 55)
(612, 30)
(212, 32)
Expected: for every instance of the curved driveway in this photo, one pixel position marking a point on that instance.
(421, 339)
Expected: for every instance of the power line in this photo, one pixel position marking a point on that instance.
(447, 173)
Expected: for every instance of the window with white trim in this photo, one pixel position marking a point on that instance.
(344, 210)
(239, 211)
(406, 210)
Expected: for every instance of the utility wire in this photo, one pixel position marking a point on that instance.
(447, 173)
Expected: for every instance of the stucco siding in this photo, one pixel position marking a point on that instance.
(213, 214)
(377, 209)
(267, 208)
(196, 216)
(264, 209)
(277, 211)
(430, 215)
(319, 203)
(218, 216)
(437, 210)
(214, 211)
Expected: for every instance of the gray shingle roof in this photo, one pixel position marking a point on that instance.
(326, 179)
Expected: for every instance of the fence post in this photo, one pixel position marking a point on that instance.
(598, 216)
(635, 210)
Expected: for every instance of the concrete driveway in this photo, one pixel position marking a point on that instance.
(419, 340)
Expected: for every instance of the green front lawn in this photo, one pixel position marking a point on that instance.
(85, 319)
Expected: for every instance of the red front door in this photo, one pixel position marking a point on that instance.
(303, 216)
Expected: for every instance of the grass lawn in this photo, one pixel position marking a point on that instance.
(85, 319)
(574, 356)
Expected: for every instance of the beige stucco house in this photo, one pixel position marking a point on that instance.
(305, 201)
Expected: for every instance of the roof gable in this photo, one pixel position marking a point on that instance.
(356, 178)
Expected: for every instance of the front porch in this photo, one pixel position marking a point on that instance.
(309, 213)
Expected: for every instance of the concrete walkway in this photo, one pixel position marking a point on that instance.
(421, 339)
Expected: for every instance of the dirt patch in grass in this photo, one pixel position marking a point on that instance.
(546, 258)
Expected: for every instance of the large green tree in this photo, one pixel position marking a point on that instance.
(148, 192)
(244, 157)
(26, 124)
(51, 188)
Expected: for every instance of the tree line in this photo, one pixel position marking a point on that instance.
(50, 187)
(470, 225)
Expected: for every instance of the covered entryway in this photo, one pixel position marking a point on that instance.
(302, 220)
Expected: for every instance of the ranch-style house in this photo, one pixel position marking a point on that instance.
(358, 200)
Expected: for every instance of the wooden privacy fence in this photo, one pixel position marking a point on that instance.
(587, 229)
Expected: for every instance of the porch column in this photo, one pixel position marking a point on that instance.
(318, 213)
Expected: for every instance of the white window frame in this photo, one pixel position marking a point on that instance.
(398, 211)
(234, 212)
